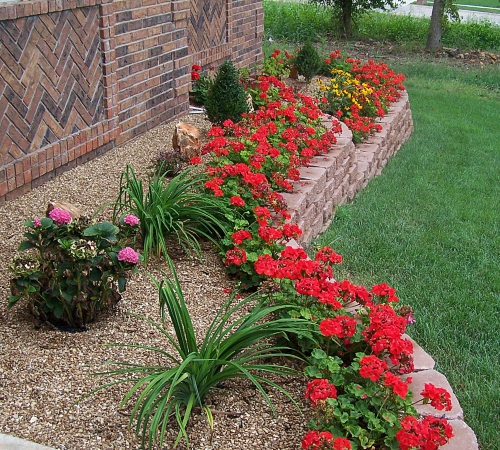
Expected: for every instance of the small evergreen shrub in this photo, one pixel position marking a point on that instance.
(308, 61)
(226, 99)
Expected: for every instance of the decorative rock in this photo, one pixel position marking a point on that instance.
(421, 359)
(463, 439)
(73, 210)
(438, 380)
(187, 139)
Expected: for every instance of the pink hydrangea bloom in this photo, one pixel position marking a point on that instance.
(37, 222)
(60, 216)
(131, 220)
(129, 255)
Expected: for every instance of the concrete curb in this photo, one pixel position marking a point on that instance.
(12, 443)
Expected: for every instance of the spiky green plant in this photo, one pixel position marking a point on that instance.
(235, 346)
(179, 208)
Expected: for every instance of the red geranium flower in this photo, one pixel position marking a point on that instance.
(438, 397)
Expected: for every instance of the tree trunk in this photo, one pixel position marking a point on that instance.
(347, 17)
(436, 28)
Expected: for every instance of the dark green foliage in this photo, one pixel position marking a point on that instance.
(475, 36)
(295, 22)
(226, 99)
(308, 61)
(71, 271)
(201, 86)
(169, 163)
(346, 12)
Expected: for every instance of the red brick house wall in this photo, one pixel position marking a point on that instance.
(78, 77)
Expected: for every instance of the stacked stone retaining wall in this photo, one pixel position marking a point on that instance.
(334, 179)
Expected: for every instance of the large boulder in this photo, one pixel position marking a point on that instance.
(73, 210)
(187, 139)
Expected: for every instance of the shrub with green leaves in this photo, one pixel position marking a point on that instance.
(169, 163)
(69, 270)
(178, 207)
(308, 61)
(236, 345)
(226, 99)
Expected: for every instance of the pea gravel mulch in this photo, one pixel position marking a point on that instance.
(43, 372)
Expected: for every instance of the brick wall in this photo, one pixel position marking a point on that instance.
(78, 77)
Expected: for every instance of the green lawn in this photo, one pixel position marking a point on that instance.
(430, 226)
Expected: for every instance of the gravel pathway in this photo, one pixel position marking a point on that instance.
(44, 372)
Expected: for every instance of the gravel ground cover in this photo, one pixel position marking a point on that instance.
(44, 372)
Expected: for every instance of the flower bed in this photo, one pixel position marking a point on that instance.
(358, 350)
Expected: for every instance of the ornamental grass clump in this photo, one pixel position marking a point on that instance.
(238, 344)
(178, 207)
(70, 270)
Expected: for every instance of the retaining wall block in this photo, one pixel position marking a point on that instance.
(463, 439)
(421, 359)
(438, 380)
(296, 202)
(327, 162)
(329, 189)
(328, 211)
(304, 187)
(316, 175)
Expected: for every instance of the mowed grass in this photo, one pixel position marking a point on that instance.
(430, 227)
(430, 224)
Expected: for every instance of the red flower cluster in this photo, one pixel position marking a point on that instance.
(319, 390)
(427, 434)
(236, 256)
(398, 386)
(372, 367)
(379, 75)
(383, 290)
(195, 72)
(438, 397)
(384, 333)
(324, 440)
(341, 327)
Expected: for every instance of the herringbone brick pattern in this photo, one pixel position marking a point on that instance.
(50, 79)
(207, 27)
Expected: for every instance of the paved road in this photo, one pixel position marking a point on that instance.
(465, 16)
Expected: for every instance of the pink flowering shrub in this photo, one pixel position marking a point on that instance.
(60, 216)
(129, 255)
(73, 270)
(131, 220)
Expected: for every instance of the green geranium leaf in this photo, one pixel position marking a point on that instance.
(95, 274)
